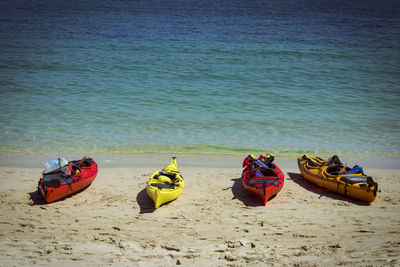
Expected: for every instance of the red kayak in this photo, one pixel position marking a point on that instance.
(66, 178)
(262, 177)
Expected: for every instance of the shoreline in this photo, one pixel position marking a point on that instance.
(217, 160)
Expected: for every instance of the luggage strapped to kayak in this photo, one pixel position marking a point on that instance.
(346, 180)
(57, 177)
(317, 161)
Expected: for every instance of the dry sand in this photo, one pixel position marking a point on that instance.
(214, 222)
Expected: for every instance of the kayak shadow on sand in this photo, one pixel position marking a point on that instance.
(240, 193)
(37, 198)
(322, 192)
(145, 203)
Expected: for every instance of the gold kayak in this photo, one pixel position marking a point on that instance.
(165, 185)
(332, 175)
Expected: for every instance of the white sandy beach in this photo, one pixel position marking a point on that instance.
(214, 222)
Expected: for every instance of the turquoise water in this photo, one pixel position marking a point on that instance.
(200, 76)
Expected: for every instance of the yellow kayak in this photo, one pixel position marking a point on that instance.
(165, 185)
(332, 175)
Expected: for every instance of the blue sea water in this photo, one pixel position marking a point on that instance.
(202, 76)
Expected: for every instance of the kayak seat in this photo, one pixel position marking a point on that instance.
(161, 186)
(75, 170)
(273, 182)
(87, 163)
(268, 172)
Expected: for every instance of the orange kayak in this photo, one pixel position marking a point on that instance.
(68, 179)
(261, 177)
(336, 177)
